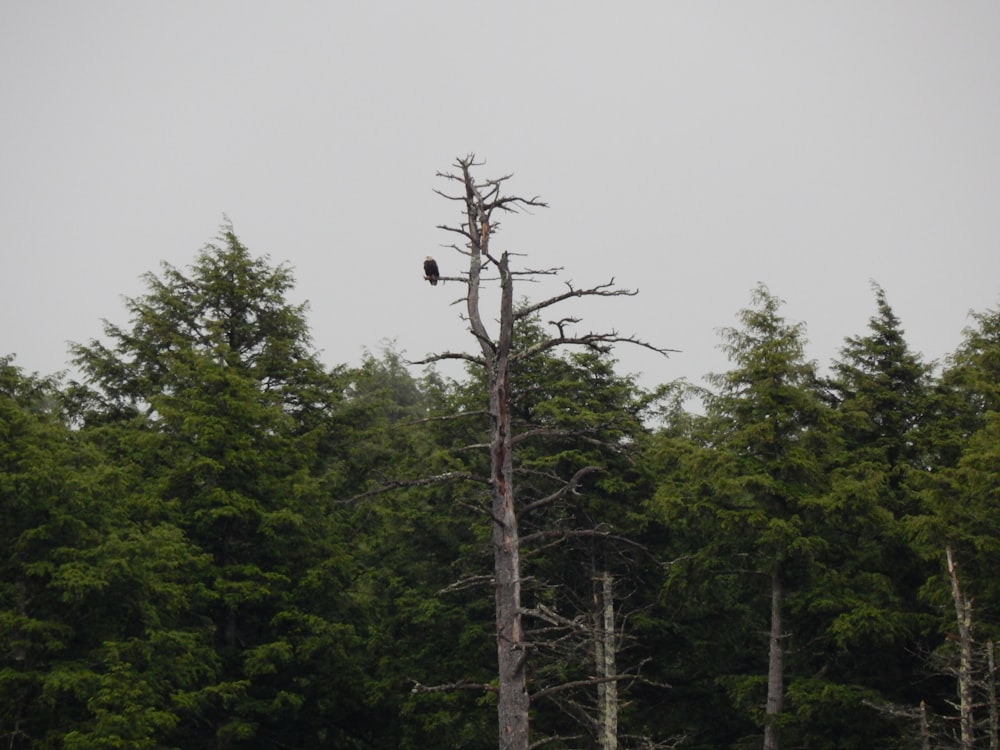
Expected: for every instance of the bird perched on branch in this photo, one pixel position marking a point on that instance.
(431, 272)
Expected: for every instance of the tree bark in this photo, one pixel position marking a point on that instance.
(925, 728)
(963, 616)
(775, 667)
(513, 701)
(512, 692)
(991, 696)
(605, 650)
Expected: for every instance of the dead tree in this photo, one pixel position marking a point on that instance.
(776, 667)
(925, 728)
(991, 696)
(963, 618)
(482, 202)
(605, 652)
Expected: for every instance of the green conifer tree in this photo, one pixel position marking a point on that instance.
(212, 391)
(742, 510)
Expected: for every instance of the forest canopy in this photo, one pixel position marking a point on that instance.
(212, 539)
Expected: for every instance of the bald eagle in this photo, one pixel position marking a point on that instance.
(431, 272)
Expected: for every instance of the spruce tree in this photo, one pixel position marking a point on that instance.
(867, 627)
(99, 610)
(212, 390)
(746, 505)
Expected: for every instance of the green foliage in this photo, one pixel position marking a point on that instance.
(743, 506)
(214, 542)
(866, 610)
(97, 610)
(961, 499)
(213, 394)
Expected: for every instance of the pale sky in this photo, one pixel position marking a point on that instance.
(688, 149)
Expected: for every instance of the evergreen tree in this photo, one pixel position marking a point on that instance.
(960, 492)
(102, 643)
(867, 628)
(959, 520)
(968, 389)
(882, 395)
(41, 515)
(747, 506)
(420, 622)
(213, 393)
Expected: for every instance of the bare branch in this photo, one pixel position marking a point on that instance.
(513, 203)
(444, 194)
(462, 231)
(444, 417)
(600, 342)
(448, 687)
(468, 583)
(473, 447)
(447, 355)
(580, 683)
(584, 435)
(562, 323)
(556, 738)
(448, 278)
(549, 615)
(538, 271)
(601, 290)
(562, 535)
(567, 488)
(436, 479)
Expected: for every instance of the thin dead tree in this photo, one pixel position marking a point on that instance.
(991, 696)
(605, 652)
(482, 203)
(963, 618)
(974, 671)
(776, 667)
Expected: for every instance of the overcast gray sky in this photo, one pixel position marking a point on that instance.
(689, 149)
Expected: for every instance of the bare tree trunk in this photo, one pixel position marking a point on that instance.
(608, 691)
(605, 651)
(513, 701)
(963, 616)
(991, 696)
(775, 667)
(925, 728)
